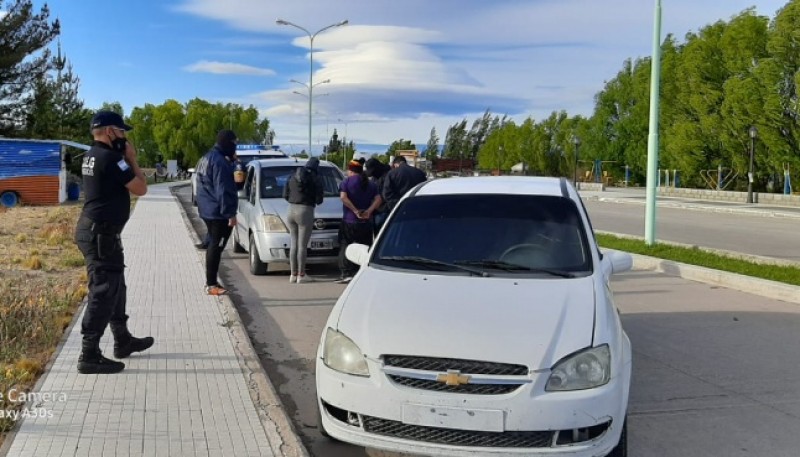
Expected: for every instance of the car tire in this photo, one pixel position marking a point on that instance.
(621, 449)
(257, 267)
(237, 246)
(9, 199)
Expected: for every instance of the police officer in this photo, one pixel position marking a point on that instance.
(110, 175)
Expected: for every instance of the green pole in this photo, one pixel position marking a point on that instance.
(652, 140)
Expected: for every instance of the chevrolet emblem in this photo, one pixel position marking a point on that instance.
(453, 378)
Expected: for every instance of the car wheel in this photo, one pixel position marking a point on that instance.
(621, 450)
(237, 246)
(9, 199)
(257, 267)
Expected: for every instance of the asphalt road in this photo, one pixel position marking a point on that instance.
(747, 233)
(715, 370)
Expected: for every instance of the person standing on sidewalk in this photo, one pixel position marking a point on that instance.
(110, 174)
(303, 190)
(402, 178)
(217, 203)
(359, 200)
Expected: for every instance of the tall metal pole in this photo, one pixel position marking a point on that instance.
(750, 176)
(652, 140)
(311, 37)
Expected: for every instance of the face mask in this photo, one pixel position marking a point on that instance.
(118, 144)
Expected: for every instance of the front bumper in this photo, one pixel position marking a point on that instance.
(378, 413)
(274, 247)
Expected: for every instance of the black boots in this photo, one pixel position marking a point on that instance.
(132, 345)
(92, 361)
(126, 344)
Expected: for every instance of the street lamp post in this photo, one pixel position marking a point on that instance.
(750, 177)
(310, 84)
(577, 142)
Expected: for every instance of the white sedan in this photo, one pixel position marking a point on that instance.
(480, 323)
(261, 216)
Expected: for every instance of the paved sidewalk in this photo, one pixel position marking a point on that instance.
(187, 396)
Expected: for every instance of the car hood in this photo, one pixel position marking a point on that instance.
(529, 321)
(331, 208)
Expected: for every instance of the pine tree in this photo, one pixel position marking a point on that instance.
(432, 148)
(24, 60)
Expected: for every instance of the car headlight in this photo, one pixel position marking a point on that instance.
(340, 353)
(585, 370)
(273, 223)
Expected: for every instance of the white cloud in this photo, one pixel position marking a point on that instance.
(227, 68)
(421, 63)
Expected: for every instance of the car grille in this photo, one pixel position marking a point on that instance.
(474, 389)
(464, 366)
(443, 365)
(330, 224)
(513, 439)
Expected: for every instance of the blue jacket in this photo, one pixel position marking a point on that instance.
(216, 189)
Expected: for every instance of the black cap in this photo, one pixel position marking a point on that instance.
(109, 119)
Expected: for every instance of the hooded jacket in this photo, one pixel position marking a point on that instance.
(216, 190)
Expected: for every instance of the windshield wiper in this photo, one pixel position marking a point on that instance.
(507, 266)
(434, 263)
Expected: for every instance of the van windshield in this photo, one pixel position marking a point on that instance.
(495, 233)
(274, 178)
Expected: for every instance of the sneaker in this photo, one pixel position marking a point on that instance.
(344, 280)
(216, 290)
(292, 279)
(304, 279)
(201, 246)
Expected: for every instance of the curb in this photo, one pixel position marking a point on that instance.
(757, 286)
(284, 439)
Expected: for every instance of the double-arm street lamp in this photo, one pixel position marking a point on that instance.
(753, 132)
(310, 84)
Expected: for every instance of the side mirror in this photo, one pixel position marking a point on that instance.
(357, 253)
(241, 194)
(190, 171)
(619, 261)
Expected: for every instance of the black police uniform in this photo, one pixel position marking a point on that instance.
(107, 209)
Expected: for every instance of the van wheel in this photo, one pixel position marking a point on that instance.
(237, 246)
(9, 199)
(621, 450)
(257, 267)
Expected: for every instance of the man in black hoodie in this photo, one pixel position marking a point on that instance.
(402, 178)
(376, 170)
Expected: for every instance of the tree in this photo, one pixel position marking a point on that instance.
(432, 148)
(400, 145)
(24, 59)
(54, 110)
(113, 106)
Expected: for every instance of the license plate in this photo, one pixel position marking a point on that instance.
(490, 420)
(320, 245)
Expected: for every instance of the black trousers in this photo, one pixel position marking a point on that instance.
(219, 231)
(105, 267)
(359, 232)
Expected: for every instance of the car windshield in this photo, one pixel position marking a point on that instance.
(497, 234)
(274, 178)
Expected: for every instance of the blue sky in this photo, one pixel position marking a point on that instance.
(396, 70)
